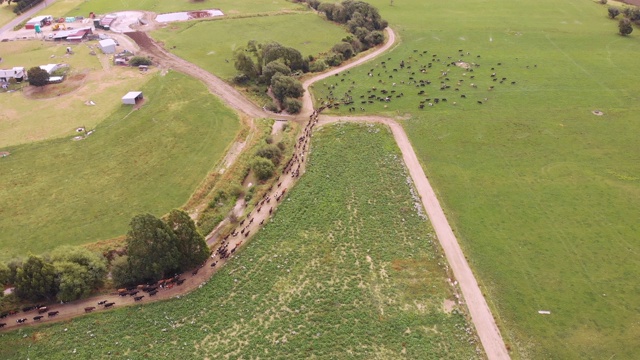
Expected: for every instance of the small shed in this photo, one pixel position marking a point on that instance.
(108, 46)
(38, 20)
(132, 97)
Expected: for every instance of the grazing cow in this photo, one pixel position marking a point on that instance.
(53, 313)
(153, 293)
(89, 309)
(107, 305)
(37, 318)
(42, 310)
(21, 321)
(102, 302)
(138, 298)
(3, 325)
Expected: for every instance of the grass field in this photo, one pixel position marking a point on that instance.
(346, 269)
(73, 192)
(24, 119)
(229, 7)
(6, 13)
(189, 38)
(543, 194)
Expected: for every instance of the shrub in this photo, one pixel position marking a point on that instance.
(271, 152)
(263, 168)
(139, 60)
(613, 12)
(318, 66)
(345, 49)
(293, 106)
(625, 27)
(273, 107)
(334, 59)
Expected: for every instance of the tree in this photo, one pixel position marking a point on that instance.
(79, 271)
(374, 38)
(625, 27)
(285, 86)
(263, 168)
(139, 60)
(192, 246)
(151, 248)
(38, 76)
(74, 281)
(244, 64)
(613, 12)
(36, 280)
(121, 272)
(272, 68)
(345, 49)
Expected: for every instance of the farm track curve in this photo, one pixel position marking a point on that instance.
(479, 310)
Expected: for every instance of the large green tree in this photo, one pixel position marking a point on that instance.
(191, 244)
(625, 27)
(36, 280)
(151, 248)
(38, 76)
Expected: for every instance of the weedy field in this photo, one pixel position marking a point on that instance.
(148, 160)
(347, 268)
(190, 39)
(543, 194)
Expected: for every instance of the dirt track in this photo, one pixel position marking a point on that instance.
(480, 313)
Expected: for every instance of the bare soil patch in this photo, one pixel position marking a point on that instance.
(598, 112)
(464, 65)
(70, 84)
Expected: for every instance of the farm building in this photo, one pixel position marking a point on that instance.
(17, 73)
(132, 97)
(108, 46)
(39, 20)
(72, 35)
(50, 68)
(105, 22)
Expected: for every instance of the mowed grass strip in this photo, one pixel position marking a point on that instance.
(543, 194)
(228, 7)
(346, 269)
(210, 44)
(74, 192)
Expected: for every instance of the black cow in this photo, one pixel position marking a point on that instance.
(42, 310)
(138, 298)
(152, 293)
(89, 309)
(3, 325)
(37, 318)
(21, 321)
(53, 313)
(133, 293)
(109, 304)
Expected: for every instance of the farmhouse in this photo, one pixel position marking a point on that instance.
(17, 73)
(132, 97)
(108, 46)
(72, 35)
(39, 20)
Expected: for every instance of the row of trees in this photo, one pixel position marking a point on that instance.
(24, 5)
(67, 274)
(631, 15)
(272, 65)
(266, 160)
(155, 248)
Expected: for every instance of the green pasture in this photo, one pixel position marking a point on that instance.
(346, 269)
(543, 194)
(228, 7)
(6, 13)
(149, 160)
(210, 44)
(24, 119)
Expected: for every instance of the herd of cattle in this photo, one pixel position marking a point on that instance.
(291, 168)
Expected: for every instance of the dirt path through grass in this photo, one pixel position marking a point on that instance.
(480, 313)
